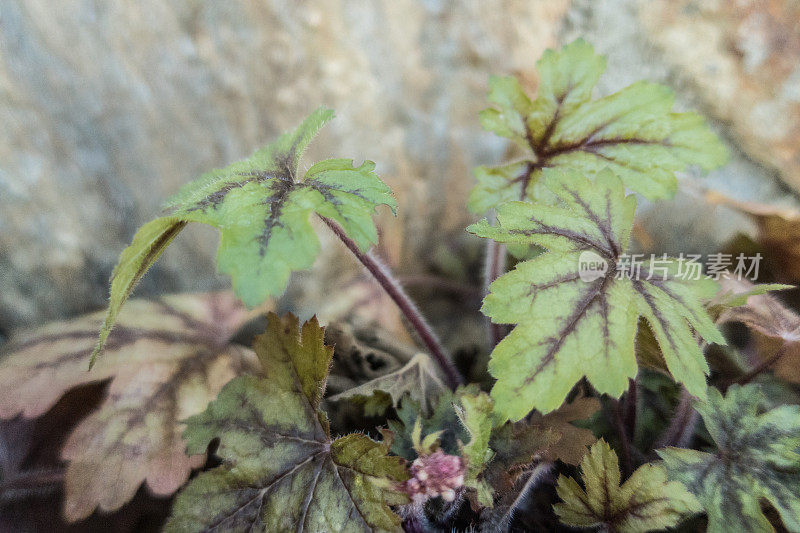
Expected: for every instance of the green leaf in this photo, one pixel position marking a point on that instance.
(147, 246)
(280, 469)
(737, 296)
(475, 413)
(568, 328)
(645, 502)
(418, 378)
(261, 206)
(442, 420)
(634, 132)
(756, 458)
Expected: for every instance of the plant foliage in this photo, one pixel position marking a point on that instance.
(281, 470)
(756, 457)
(633, 132)
(645, 502)
(539, 438)
(568, 326)
(165, 361)
(580, 308)
(418, 379)
(475, 413)
(261, 206)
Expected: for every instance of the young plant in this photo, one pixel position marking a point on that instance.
(262, 206)
(573, 322)
(452, 455)
(756, 457)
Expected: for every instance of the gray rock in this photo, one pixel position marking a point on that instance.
(108, 107)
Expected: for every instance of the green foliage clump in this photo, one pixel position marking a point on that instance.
(577, 309)
(756, 457)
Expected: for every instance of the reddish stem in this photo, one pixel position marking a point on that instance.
(385, 279)
(681, 428)
(626, 457)
(494, 267)
(762, 366)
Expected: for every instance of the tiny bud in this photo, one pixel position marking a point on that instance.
(449, 495)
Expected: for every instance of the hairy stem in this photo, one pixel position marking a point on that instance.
(626, 458)
(681, 428)
(414, 519)
(629, 410)
(494, 267)
(384, 277)
(762, 366)
(537, 474)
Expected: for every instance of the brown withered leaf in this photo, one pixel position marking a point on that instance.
(419, 379)
(540, 438)
(778, 233)
(165, 361)
(775, 326)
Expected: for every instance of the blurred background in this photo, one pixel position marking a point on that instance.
(108, 107)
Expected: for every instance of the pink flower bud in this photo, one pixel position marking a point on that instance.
(437, 474)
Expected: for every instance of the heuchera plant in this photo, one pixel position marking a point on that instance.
(455, 455)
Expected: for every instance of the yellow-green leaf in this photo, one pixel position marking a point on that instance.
(577, 306)
(645, 502)
(475, 413)
(281, 470)
(634, 132)
(262, 206)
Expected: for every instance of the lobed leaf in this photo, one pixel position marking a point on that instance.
(261, 206)
(645, 502)
(164, 362)
(442, 421)
(475, 413)
(281, 470)
(634, 132)
(570, 324)
(419, 379)
(757, 457)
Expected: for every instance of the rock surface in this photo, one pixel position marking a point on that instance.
(744, 59)
(108, 107)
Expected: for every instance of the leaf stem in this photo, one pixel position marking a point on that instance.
(494, 267)
(681, 428)
(629, 409)
(626, 458)
(387, 281)
(30, 482)
(536, 476)
(762, 366)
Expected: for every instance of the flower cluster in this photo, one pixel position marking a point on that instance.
(437, 474)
